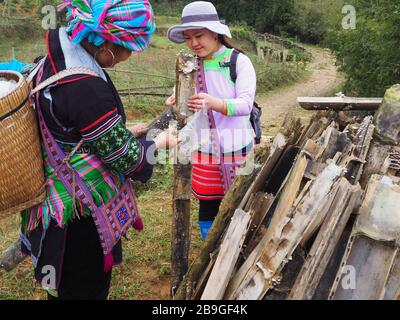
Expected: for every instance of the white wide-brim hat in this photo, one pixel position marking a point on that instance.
(198, 15)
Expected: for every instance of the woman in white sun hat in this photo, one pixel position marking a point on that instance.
(228, 101)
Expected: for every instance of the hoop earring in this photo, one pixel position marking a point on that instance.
(113, 58)
(112, 55)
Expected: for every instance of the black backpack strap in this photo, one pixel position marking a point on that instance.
(233, 64)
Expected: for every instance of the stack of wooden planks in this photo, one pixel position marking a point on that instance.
(317, 218)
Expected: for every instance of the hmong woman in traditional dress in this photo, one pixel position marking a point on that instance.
(228, 102)
(73, 236)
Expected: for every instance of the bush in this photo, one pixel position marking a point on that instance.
(169, 7)
(244, 36)
(369, 54)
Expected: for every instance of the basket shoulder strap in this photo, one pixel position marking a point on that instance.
(33, 73)
(60, 162)
(63, 74)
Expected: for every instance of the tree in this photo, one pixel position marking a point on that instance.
(369, 54)
(265, 16)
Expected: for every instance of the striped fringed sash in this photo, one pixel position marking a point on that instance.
(213, 174)
(59, 205)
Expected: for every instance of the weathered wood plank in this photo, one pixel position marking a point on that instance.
(341, 206)
(374, 244)
(292, 128)
(328, 278)
(254, 241)
(282, 239)
(260, 206)
(201, 284)
(332, 142)
(356, 158)
(288, 277)
(375, 164)
(227, 257)
(339, 103)
(312, 149)
(392, 287)
(277, 148)
(366, 270)
(289, 194)
(320, 216)
(349, 154)
(316, 126)
(244, 269)
(379, 215)
(353, 157)
(387, 118)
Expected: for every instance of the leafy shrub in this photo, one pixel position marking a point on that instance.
(369, 55)
(244, 36)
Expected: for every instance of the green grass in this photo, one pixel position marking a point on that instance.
(20, 283)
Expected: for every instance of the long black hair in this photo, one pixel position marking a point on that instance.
(227, 43)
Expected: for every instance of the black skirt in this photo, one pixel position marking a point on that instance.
(76, 255)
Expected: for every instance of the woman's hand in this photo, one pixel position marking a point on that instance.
(166, 139)
(138, 130)
(205, 101)
(170, 101)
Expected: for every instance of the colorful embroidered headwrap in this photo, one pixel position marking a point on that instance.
(127, 23)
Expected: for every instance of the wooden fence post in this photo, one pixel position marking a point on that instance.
(186, 66)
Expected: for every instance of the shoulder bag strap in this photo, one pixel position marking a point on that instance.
(233, 64)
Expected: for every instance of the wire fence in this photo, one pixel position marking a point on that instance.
(152, 84)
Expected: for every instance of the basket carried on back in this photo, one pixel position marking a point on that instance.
(21, 162)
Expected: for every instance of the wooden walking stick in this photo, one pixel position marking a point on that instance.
(186, 66)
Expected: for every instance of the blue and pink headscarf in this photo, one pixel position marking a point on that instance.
(127, 23)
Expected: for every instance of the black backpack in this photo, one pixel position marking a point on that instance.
(255, 115)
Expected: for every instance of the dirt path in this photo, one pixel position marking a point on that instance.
(324, 80)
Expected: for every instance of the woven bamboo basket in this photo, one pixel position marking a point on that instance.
(21, 162)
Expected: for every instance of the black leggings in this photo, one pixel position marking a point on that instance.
(208, 209)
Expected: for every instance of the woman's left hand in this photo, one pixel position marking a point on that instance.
(138, 130)
(205, 101)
